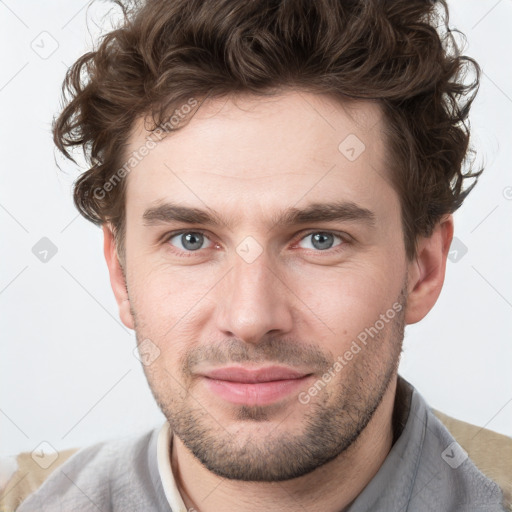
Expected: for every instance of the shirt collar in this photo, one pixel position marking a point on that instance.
(164, 449)
(392, 486)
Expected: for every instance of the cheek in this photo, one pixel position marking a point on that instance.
(167, 305)
(167, 385)
(349, 299)
(164, 294)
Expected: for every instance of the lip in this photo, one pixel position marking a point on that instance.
(253, 375)
(259, 386)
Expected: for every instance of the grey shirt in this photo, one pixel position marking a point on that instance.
(425, 470)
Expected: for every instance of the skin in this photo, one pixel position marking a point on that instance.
(247, 158)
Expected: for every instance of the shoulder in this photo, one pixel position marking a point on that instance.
(79, 479)
(23, 474)
(490, 452)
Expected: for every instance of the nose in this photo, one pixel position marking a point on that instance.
(253, 301)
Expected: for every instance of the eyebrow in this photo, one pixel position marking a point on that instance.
(316, 212)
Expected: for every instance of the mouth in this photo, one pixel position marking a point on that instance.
(249, 386)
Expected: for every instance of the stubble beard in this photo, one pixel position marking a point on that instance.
(331, 423)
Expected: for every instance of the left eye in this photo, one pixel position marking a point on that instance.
(321, 240)
(189, 241)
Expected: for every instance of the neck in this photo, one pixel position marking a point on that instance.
(330, 488)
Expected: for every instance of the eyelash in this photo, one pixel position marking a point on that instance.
(345, 239)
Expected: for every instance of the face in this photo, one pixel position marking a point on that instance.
(266, 277)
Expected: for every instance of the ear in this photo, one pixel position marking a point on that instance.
(426, 272)
(117, 278)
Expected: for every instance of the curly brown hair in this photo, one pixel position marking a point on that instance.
(400, 53)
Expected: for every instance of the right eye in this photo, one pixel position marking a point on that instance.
(188, 241)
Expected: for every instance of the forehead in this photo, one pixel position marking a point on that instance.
(250, 153)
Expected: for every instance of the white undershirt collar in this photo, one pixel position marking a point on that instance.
(163, 450)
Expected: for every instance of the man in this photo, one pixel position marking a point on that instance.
(268, 237)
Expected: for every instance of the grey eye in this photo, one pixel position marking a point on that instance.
(189, 241)
(321, 240)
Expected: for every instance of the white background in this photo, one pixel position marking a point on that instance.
(68, 375)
